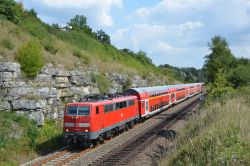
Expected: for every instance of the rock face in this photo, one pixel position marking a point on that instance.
(46, 94)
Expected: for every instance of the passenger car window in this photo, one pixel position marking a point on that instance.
(106, 108)
(131, 102)
(117, 105)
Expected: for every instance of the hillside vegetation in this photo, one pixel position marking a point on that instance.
(21, 140)
(75, 45)
(184, 74)
(219, 133)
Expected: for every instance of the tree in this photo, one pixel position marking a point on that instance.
(240, 76)
(11, 10)
(142, 57)
(221, 86)
(220, 57)
(128, 51)
(102, 37)
(79, 22)
(32, 12)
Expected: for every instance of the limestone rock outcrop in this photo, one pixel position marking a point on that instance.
(45, 95)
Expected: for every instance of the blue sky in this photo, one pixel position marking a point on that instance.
(174, 32)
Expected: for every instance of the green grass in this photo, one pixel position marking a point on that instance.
(102, 81)
(7, 44)
(219, 135)
(21, 140)
(71, 49)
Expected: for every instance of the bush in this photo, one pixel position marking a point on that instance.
(102, 82)
(127, 84)
(31, 58)
(77, 53)
(7, 44)
(50, 48)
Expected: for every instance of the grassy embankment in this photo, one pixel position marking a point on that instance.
(218, 135)
(70, 49)
(21, 140)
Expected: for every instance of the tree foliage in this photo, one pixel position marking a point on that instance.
(102, 37)
(11, 10)
(79, 22)
(223, 70)
(184, 74)
(31, 58)
(240, 76)
(143, 58)
(220, 57)
(221, 85)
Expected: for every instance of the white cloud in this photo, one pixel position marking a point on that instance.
(166, 6)
(100, 9)
(241, 51)
(162, 42)
(190, 25)
(164, 46)
(182, 4)
(119, 34)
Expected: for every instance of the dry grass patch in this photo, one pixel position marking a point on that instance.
(219, 135)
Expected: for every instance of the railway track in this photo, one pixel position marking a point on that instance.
(63, 157)
(123, 154)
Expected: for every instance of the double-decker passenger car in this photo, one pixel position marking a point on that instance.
(98, 117)
(155, 99)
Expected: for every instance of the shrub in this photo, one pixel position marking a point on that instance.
(32, 134)
(31, 58)
(127, 84)
(7, 44)
(77, 53)
(50, 48)
(102, 82)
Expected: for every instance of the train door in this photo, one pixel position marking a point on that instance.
(173, 95)
(146, 107)
(100, 114)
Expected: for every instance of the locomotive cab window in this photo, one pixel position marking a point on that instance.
(83, 110)
(72, 110)
(75, 110)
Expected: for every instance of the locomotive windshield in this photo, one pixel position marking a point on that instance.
(78, 110)
(83, 110)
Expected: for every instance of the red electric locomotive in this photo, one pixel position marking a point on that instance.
(98, 117)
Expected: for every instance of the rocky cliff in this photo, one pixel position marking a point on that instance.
(46, 94)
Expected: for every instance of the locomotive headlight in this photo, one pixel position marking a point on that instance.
(86, 130)
(67, 130)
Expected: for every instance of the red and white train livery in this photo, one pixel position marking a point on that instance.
(99, 117)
